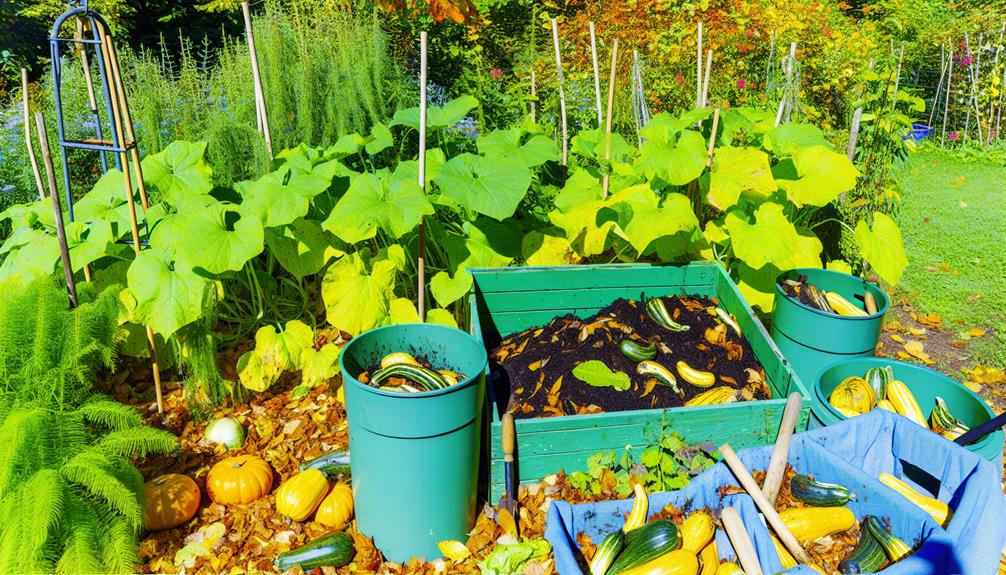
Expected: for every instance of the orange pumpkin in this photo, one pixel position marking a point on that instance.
(240, 479)
(169, 501)
(300, 495)
(336, 510)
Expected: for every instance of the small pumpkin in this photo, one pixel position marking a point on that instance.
(336, 509)
(169, 501)
(239, 479)
(299, 496)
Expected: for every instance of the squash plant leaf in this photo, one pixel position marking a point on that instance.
(786, 139)
(105, 201)
(547, 247)
(490, 186)
(758, 285)
(437, 117)
(164, 296)
(178, 170)
(87, 242)
(447, 289)
(675, 160)
(389, 202)
(215, 237)
(380, 139)
(882, 247)
(590, 144)
(274, 353)
(441, 316)
(486, 244)
(596, 373)
(302, 247)
(319, 365)
(347, 145)
(643, 217)
(402, 310)
(820, 176)
(770, 239)
(35, 255)
(534, 151)
(736, 171)
(583, 215)
(358, 290)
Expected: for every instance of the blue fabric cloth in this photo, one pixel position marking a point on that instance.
(852, 453)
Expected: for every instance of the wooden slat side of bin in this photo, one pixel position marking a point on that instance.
(508, 300)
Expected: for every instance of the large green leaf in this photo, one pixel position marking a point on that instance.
(319, 365)
(486, 244)
(380, 139)
(664, 127)
(590, 144)
(437, 117)
(786, 139)
(409, 169)
(491, 186)
(882, 247)
(35, 256)
(758, 285)
(404, 311)
(736, 171)
(216, 238)
(274, 353)
(88, 242)
(598, 374)
(165, 296)
(447, 289)
(107, 201)
(357, 292)
(675, 160)
(583, 215)
(389, 202)
(302, 247)
(547, 248)
(284, 195)
(770, 239)
(821, 175)
(532, 151)
(643, 217)
(178, 170)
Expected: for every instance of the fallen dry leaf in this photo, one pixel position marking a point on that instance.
(917, 349)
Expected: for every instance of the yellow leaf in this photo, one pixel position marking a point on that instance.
(918, 350)
(976, 332)
(505, 520)
(902, 355)
(898, 338)
(454, 550)
(917, 330)
(973, 386)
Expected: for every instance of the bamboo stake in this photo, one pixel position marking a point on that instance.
(766, 508)
(741, 541)
(712, 136)
(597, 77)
(698, 69)
(116, 119)
(128, 120)
(946, 100)
(897, 78)
(27, 135)
(421, 297)
(82, 50)
(995, 62)
(939, 86)
(562, 93)
(705, 80)
(789, 82)
(607, 120)
(857, 118)
(256, 79)
(534, 97)
(780, 451)
(999, 111)
(50, 174)
(971, 75)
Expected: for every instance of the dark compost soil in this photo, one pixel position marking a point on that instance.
(539, 361)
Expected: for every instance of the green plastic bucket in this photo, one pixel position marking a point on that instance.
(415, 456)
(811, 339)
(925, 384)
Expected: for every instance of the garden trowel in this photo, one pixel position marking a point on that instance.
(508, 503)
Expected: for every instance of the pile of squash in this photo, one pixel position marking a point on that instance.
(878, 388)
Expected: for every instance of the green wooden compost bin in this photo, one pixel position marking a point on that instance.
(508, 300)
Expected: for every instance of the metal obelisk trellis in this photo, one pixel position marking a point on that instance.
(92, 33)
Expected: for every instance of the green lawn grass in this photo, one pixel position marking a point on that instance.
(954, 221)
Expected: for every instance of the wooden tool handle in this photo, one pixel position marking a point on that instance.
(766, 508)
(870, 302)
(508, 436)
(738, 535)
(780, 453)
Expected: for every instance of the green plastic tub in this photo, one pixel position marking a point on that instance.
(811, 339)
(415, 457)
(508, 300)
(925, 384)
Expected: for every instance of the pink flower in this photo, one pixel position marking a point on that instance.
(954, 136)
(741, 83)
(496, 73)
(679, 79)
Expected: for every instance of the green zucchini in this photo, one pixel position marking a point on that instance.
(894, 547)
(728, 319)
(811, 296)
(878, 378)
(817, 493)
(867, 557)
(332, 464)
(645, 544)
(659, 373)
(606, 552)
(636, 351)
(657, 311)
(424, 377)
(333, 549)
(942, 418)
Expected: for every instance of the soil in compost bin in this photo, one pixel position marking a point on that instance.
(539, 361)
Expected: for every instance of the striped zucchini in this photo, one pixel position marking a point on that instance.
(903, 401)
(694, 376)
(656, 538)
(938, 509)
(817, 493)
(658, 372)
(636, 351)
(606, 552)
(728, 319)
(884, 404)
(424, 377)
(842, 306)
(813, 297)
(944, 421)
(332, 464)
(715, 396)
(894, 547)
(867, 557)
(657, 311)
(640, 508)
(878, 378)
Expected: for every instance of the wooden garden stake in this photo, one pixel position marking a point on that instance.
(263, 117)
(116, 120)
(698, 68)
(780, 452)
(897, 78)
(27, 135)
(705, 80)
(562, 93)
(421, 297)
(534, 97)
(597, 77)
(939, 86)
(50, 174)
(128, 125)
(995, 62)
(789, 82)
(741, 541)
(607, 120)
(712, 136)
(766, 508)
(946, 101)
(857, 118)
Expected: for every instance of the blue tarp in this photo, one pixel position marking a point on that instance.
(852, 453)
